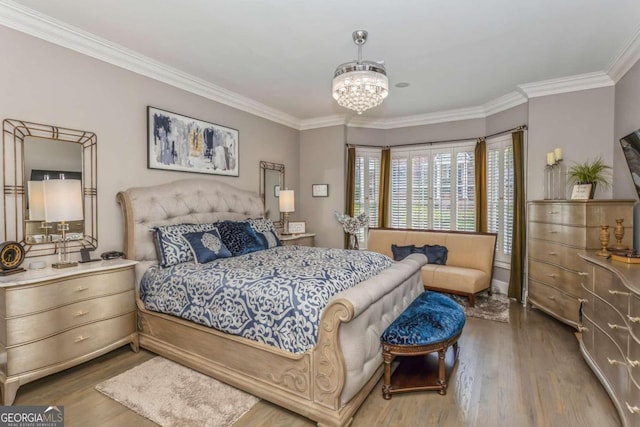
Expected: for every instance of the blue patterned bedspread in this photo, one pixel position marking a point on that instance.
(274, 296)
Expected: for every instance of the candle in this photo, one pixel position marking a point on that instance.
(551, 158)
(558, 153)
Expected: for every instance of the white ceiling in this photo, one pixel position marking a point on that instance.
(282, 53)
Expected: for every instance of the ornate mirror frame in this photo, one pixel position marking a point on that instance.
(264, 167)
(14, 133)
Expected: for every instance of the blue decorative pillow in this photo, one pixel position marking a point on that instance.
(265, 231)
(206, 246)
(239, 237)
(436, 254)
(401, 252)
(172, 248)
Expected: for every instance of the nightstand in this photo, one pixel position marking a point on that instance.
(306, 239)
(53, 319)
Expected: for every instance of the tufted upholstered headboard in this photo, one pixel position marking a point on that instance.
(185, 201)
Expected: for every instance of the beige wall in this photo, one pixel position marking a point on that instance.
(45, 83)
(322, 161)
(627, 120)
(579, 122)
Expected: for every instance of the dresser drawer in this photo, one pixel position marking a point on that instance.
(69, 345)
(612, 322)
(587, 334)
(634, 317)
(556, 276)
(612, 362)
(566, 234)
(555, 253)
(608, 287)
(554, 302)
(32, 299)
(36, 326)
(558, 213)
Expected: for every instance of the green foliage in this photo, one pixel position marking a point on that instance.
(590, 172)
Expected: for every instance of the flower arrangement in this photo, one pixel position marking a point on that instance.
(351, 225)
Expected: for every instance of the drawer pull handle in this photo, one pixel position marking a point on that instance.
(553, 232)
(582, 300)
(614, 326)
(80, 289)
(612, 292)
(634, 319)
(80, 313)
(582, 329)
(552, 253)
(552, 275)
(552, 297)
(633, 363)
(614, 362)
(82, 338)
(632, 409)
(553, 212)
(582, 273)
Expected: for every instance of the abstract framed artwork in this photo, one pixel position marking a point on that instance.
(180, 143)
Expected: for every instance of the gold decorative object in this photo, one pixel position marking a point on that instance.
(604, 241)
(618, 231)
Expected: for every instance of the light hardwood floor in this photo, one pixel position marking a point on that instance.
(525, 373)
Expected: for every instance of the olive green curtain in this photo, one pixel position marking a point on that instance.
(519, 226)
(480, 158)
(351, 187)
(385, 194)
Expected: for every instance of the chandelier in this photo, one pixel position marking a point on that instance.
(360, 85)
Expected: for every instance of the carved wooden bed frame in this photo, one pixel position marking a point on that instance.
(327, 383)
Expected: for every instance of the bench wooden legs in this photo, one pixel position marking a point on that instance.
(420, 368)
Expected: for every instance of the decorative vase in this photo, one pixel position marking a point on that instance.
(353, 242)
(548, 182)
(618, 231)
(560, 181)
(604, 241)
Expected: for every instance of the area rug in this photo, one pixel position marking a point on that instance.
(170, 394)
(494, 307)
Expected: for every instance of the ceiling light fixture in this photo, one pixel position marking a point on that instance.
(360, 85)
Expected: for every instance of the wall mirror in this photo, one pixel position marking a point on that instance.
(34, 153)
(271, 181)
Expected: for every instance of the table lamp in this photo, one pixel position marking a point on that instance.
(287, 204)
(63, 203)
(35, 194)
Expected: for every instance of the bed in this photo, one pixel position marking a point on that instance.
(328, 381)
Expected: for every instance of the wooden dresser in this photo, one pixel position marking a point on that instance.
(610, 331)
(53, 319)
(558, 232)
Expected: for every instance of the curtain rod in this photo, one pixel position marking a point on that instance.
(521, 127)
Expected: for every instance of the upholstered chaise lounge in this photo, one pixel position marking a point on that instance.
(469, 266)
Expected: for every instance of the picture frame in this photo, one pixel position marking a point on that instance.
(181, 143)
(320, 190)
(581, 192)
(297, 227)
(276, 191)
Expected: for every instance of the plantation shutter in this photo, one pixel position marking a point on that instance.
(442, 191)
(399, 183)
(465, 190)
(420, 191)
(500, 195)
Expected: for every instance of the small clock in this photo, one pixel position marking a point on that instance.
(11, 256)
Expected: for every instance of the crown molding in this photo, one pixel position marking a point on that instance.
(505, 102)
(627, 58)
(566, 84)
(323, 122)
(419, 119)
(28, 21)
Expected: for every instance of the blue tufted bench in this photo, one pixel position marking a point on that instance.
(431, 323)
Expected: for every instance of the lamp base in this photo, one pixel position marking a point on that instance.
(64, 264)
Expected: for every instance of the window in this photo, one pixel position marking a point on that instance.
(500, 182)
(433, 187)
(367, 188)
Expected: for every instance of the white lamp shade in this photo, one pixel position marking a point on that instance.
(62, 200)
(287, 201)
(36, 200)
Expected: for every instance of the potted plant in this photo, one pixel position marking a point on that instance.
(596, 172)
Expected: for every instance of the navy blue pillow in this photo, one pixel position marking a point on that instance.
(436, 254)
(401, 252)
(172, 248)
(239, 237)
(206, 246)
